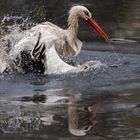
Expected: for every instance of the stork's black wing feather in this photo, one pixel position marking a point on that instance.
(39, 49)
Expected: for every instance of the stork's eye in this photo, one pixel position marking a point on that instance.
(87, 13)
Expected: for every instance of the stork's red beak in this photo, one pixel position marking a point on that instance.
(97, 28)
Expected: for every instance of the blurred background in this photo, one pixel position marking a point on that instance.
(120, 18)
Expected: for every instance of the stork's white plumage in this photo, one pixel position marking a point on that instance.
(52, 42)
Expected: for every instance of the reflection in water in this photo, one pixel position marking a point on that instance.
(35, 107)
(19, 120)
(28, 114)
(80, 123)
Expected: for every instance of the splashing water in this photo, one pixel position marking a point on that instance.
(12, 31)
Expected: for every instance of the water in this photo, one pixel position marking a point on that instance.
(100, 104)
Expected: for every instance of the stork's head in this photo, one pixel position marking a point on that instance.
(80, 11)
(83, 12)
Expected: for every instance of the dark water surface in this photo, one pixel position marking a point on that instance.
(101, 104)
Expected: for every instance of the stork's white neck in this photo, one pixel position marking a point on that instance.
(73, 25)
(72, 33)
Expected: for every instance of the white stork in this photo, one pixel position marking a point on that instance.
(50, 43)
